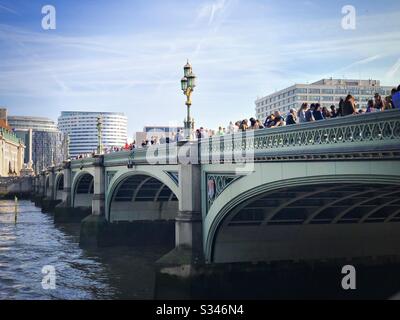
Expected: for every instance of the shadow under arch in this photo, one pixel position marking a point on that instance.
(82, 190)
(59, 186)
(140, 197)
(303, 218)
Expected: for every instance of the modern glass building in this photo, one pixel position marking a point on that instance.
(326, 92)
(45, 144)
(81, 128)
(48, 148)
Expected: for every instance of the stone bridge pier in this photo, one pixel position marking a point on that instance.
(39, 189)
(49, 201)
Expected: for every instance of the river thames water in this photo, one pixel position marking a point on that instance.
(129, 273)
(34, 242)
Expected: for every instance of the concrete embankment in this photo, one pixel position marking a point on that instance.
(20, 187)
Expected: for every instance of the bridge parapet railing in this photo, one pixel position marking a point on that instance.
(359, 136)
(156, 154)
(83, 163)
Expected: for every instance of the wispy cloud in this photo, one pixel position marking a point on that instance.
(238, 51)
(8, 9)
(394, 69)
(359, 63)
(210, 10)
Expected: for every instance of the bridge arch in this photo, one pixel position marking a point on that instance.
(142, 195)
(82, 189)
(250, 214)
(59, 186)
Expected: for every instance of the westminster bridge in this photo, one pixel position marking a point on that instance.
(320, 190)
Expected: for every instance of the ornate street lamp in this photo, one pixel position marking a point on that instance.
(99, 129)
(188, 83)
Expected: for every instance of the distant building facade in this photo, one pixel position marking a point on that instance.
(155, 131)
(11, 149)
(81, 128)
(34, 123)
(3, 114)
(325, 92)
(45, 144)
(49, 148)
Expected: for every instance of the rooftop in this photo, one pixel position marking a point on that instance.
(28, 118)
(65, 113)
(3, 124)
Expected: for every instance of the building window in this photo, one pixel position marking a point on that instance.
(354, 91)
(367, 92)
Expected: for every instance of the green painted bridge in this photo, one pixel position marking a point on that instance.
(320, 190)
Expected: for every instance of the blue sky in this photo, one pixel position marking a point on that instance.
(128, 55)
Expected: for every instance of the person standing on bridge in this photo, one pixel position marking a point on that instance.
(349, 106)
(301, 114)
(231, 128)
(370, 106)
(379, 104)
(396, 98)
(253, 124)
(327, 114)
(340, 109)
(334, 113)
(310, 113)
(244, 126)
(275, 120)
(318, 113)
(291, 118)
(259, 124)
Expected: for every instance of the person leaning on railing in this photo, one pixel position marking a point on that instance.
(291, 118)
(379, 104)
(301, 114)
(396, 97)
(349, 106)
(318, 115)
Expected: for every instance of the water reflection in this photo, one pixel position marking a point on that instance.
(25, 247)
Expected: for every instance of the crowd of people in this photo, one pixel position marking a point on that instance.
(309, 113)
(306, 113)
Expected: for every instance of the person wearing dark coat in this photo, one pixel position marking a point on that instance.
(349, 106)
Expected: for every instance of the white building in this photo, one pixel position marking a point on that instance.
(82, 130)
(34, 123)
(156, 131)
(325, 92)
